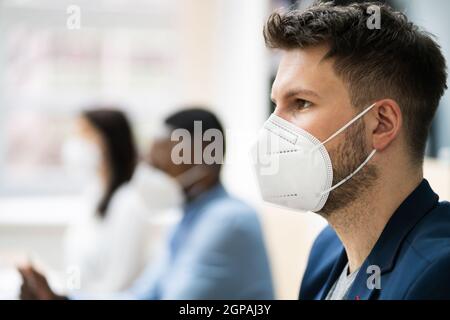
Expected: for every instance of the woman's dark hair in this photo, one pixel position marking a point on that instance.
(121, 155)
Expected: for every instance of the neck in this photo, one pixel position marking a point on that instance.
(361, 223)
(195, 190)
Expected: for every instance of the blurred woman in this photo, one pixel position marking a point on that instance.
(108, 248)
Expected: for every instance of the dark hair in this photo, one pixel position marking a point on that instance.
(121, 155)
(397, 61)
(185, 119)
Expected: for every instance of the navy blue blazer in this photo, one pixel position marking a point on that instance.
(412, 253)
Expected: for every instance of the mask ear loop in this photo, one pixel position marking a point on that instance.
(337, 133)
(346, 126)
(351, 174)
(191, 176)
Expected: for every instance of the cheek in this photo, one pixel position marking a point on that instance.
(104, 161)
(319, 123)
(160, 157)
(335, 147)
(324, 129)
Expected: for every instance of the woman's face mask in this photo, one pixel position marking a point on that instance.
(82, 159)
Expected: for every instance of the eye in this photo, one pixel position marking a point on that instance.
(303, 104)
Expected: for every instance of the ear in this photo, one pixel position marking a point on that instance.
(385, 123)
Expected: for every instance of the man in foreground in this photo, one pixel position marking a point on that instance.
(354, 104)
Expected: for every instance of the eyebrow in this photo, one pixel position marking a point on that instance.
(294, 92)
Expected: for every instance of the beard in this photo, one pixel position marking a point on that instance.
(346, 158)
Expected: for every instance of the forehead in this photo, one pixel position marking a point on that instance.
(308, 70)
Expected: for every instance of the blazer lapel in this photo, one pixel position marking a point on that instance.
(389, 244)
(360, 290)
(334, 274)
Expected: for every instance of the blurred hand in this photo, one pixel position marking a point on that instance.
(35, 286)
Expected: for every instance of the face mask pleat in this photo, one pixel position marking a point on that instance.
(293, 167)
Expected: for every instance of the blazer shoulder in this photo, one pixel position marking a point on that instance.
(326, 243)
(230, 218)
(433, 282)
(431, 238)
(324, 253)
(231, 210)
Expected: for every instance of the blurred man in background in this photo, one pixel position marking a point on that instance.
(217, 250)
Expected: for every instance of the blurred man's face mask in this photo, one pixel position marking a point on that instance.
(156, 189)
(161, 156)
(159, 191)
(293, 167)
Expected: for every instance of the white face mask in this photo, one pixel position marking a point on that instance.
(161, 194)
(161, 191)
(82, 159)
(293, 167)
(157, 190)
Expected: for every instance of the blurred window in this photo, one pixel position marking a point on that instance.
(124, 53)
